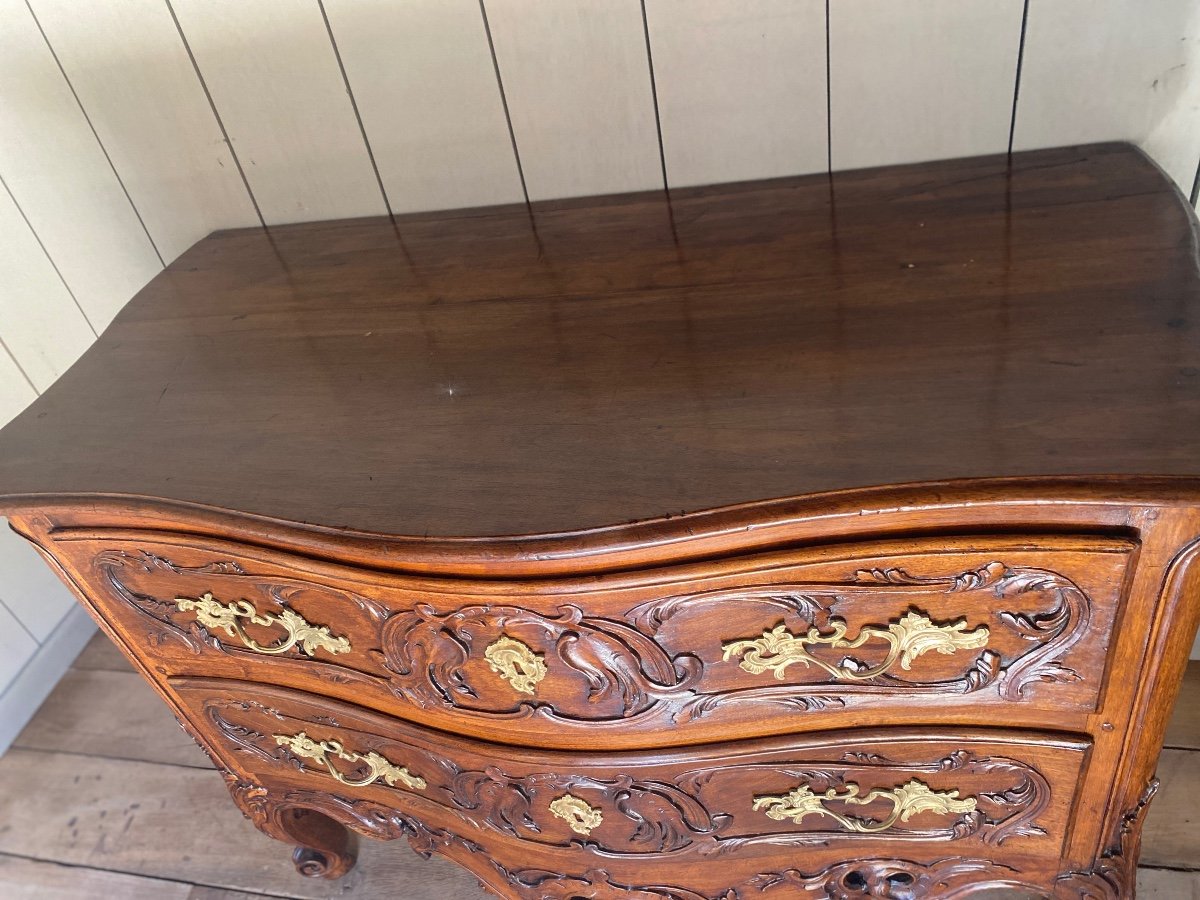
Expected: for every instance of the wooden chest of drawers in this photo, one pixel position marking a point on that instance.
(923, 690)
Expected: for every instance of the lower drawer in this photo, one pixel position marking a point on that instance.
(720, 813)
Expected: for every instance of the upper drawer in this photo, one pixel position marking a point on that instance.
(948, 630)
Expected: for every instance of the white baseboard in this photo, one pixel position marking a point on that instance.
(33, 684)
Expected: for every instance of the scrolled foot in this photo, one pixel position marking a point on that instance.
(325, 848)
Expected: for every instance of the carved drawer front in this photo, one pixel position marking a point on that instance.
(733, 810)
(949, 630)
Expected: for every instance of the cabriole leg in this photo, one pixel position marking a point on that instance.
(324, 848)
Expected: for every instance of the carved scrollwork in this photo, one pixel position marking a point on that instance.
(647, 816)
(891, 879)
(1053, 631)
(506, 661)
(881, 878)
(623, 815)
(623, 671)
(641, 816)
(875, 878)
(324, 848)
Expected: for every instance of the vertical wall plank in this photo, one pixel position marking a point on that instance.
(133, 76)
(1173, 140)
(741, 87)
(1101, 70)
(578, 84)
(39, 320)
(423, 79)
(275, 79)
(57, 172)
(919, 81)
(28, 588)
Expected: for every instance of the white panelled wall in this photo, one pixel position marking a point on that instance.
(129, 129)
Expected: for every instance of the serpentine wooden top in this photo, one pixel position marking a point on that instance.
(500, 371)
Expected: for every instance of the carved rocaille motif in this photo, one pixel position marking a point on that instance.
(873, 877)
(631, 668)
(889, 879)
(883, 879)
(657, 817)
(907, 800)
(652, 815)
(615, 670)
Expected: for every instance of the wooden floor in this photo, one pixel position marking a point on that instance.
(103, 796)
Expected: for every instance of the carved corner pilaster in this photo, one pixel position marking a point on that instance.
(1114, 873)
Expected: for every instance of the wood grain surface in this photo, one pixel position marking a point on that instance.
(495, 373)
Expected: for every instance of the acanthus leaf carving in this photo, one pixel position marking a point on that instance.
(652, 816)
(623, 671)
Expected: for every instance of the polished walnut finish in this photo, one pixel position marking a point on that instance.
(813, 538)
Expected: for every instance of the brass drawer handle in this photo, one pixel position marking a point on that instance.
(380, 768)
(909, 636)
(907, 800)
(215, 615)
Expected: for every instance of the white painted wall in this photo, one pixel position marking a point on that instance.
(131, 128)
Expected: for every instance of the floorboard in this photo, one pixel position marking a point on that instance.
(1162, 884)
(31, 879)
(101, 653)
(1172, 833)
(1184, 731)
(111, 714)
